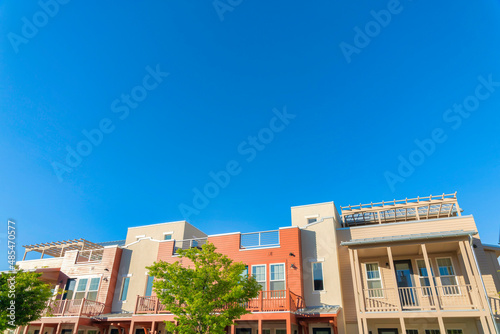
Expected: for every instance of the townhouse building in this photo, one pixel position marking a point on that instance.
(410, 266)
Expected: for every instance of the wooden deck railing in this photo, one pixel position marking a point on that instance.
(267, 301)
(495, 306)
(449, 297)
(72, 307)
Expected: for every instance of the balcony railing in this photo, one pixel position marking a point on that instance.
(72, 307)
(495, 306)
(267, 301)
(188, 243)
(260, 239)
(449, 297)
(88, 256)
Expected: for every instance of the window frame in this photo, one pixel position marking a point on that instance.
(265, 274)
(279, 329)
(284, 275)
(322, 276)
(124, 278)
(425, 292)
(382, 294)
(458, 290)
(454, 329)
(412, 329)
(87, 286)
(171, 234)
(147, 284)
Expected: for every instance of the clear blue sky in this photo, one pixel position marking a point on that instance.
(356, 111)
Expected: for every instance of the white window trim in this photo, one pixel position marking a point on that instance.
(265, 272)
(380, 278)
(322, 274)
(137, 237)
(88, 278)
(454, 275)
(284, 273)
(454, 329)
(432, 276)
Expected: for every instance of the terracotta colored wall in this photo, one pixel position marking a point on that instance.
(230, 246)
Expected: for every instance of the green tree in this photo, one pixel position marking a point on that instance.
(23, 298)
(206, 296)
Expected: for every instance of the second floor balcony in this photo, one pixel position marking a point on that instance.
(74, 307)
(266, 301)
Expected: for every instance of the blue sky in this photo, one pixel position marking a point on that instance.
(174, 90)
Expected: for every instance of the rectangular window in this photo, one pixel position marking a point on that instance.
(149, 286)
(432, 331)
(70, 289)
(424, 277)
(93, 288)
(447, 275)
(412, 331)
(264, 331)
(317, 271)
(281, 331)
(259, 272)
(81, 288)
(455, 331)
(312, 220)
(245, 272)
(374, 281)
(167, 236)
(277, 281)
(126, 281)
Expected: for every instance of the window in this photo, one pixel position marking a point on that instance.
(264, 331)
(80, 288)
(312, 220)
(92, 332)
(167, 236)
(412, 331)
(70, 289)
(259, 272)
(149, 286)
(281, 331)
(317, 271)
(374, 281)
(93, 288)
(277, 281)
(447, 275)
(432, 331)
(245, 272)
(424, 277)
(455, 331)
(126, 281)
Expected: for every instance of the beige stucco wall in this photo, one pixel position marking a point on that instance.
(468, 325)
(320, 244)
(140, 251)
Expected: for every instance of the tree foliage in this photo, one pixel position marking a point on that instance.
(206, 296)
(23, 298)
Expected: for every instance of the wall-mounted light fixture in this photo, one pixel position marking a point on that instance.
(293, 266)
(291, 254)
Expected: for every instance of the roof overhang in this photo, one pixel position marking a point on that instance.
(408, 237)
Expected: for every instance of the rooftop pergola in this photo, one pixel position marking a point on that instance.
(420, 208)
(59, 248)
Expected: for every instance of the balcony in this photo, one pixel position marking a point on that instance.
(449, 297)
(74, 307)
(260, 239)
(267, 301)
(188, 243)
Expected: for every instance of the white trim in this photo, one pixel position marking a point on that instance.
(322, 276)
(140, 236)
(287, 227)
(254, 248)
(284, 274)
(320, 259)
(454, 275)
(265, 272)
(171, 232)
(380, 278)
(222, 234)
(126, 275)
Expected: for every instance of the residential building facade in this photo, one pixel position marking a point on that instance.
(411, 266)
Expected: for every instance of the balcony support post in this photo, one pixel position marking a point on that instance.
(431, 278)
(58, 328)
(26, 328)
(403, 325)
(233, 329)
(288, 324)
(358, 292)
(394, 281)
(42, 328)
(80, 311)
(153, 327)
(259, 325)
(132, 326)
(75, 328)
(136, 303)
(261, 302)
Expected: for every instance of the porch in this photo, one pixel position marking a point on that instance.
(426, 275)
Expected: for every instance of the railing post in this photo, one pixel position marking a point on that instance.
(81, 307)
(64, 307)
(287, 298)
(157, 305)
(261, 308)
(136, 304)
